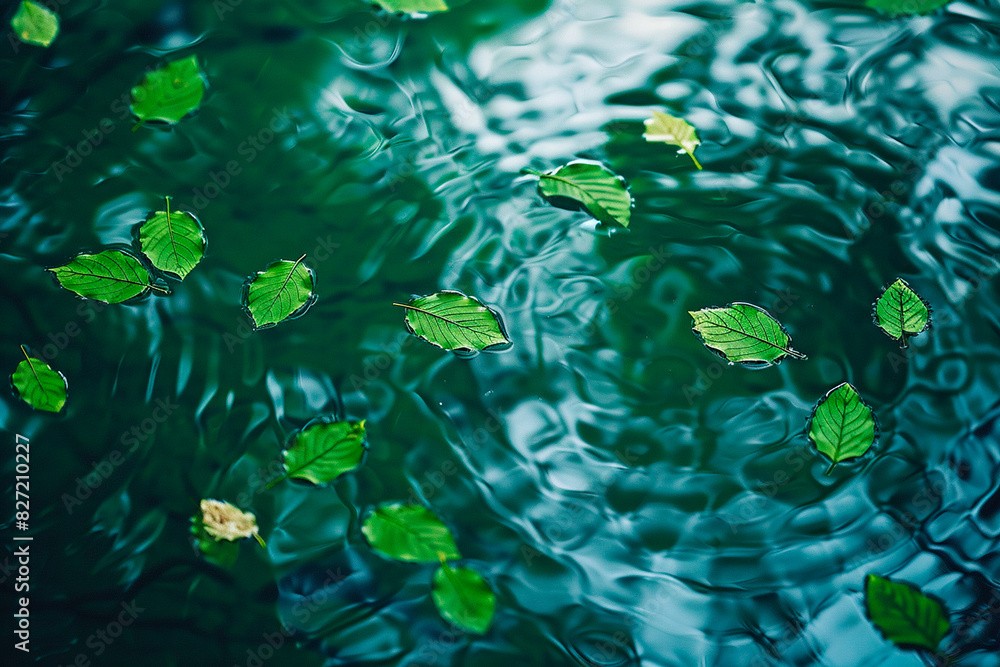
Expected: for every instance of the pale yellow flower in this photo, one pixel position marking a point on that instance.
(224, 521)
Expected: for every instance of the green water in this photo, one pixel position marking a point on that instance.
(632, 498)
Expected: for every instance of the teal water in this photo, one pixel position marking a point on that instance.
(632, 498)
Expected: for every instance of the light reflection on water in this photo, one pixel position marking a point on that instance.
(633, 499)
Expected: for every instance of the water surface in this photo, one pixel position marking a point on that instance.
(633, 499)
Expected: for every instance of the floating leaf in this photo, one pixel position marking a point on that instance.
(413, 6)
(34, 24)
(173, 241)
(900, 312)
(409, 533)
(284, 290)
(454, 321)
(903, 7)
(674, 131)
(842, 425)
(225, 521)
(38, 385)
(904, 615)
(463, 598)
(111, 276)
(743, 333)
(587, 185)
(323, 451)
(169, 93)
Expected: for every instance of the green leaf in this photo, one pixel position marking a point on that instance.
(454, 321)
(673, 131)
(842, 425)
(463, 598)
(34, 24)
(111, 276)
(904, 7)
(743, 333)
(413, 6)
(173, 241)
(218, 552)
(323, 451)
(38, 385)
(904, 615)
(587, 185)
(284, 290)
(409, 533)
(169, 93)
(900, 312)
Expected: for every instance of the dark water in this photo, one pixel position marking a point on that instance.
(632, 499)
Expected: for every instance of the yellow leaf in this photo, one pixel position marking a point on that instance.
(674, 131)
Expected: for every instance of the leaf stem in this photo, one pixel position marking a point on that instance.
(275, 481)
(527, 171)
(31, 366)
(829, 471)
(260, 540)
(691, 155)
(138, 125)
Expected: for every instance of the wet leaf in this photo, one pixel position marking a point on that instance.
(323, 451)
(904, 615)
(284, 290)
(111, 276)
(905, 7)
(413, 6)
(463, 598)
(673, 131)
(217, 527)
(173, 241)
(409, 533)
(901, 313)
(34, 24)
(743, 333)
(38, 385)
(588, 186)
(169, 93)
(454, 321)
(842, 425)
